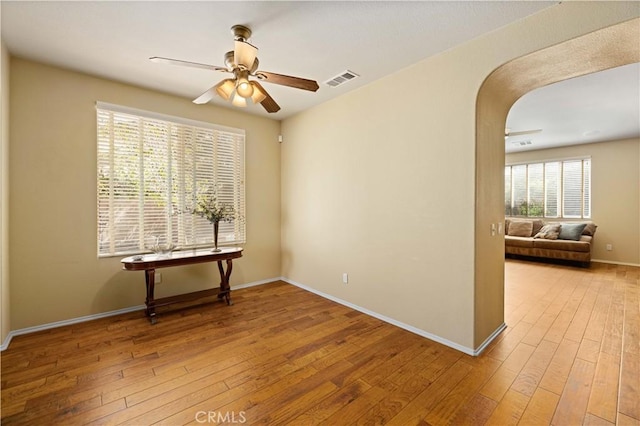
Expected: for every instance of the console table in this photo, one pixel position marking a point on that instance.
(150, 262)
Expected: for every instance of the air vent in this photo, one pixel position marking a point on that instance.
(341, 78)
(522, 143)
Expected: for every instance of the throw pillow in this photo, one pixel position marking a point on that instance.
(549, 232)
(590, 229)
(537, 226)
(520, 229)
(571, 231)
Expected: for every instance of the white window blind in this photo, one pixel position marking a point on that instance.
(557, 189)
(152, 168)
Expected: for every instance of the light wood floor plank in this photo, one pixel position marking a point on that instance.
(603, 401)
(629, 402)
(540, 409)
(555, 377)
(509, 410)
(572, 407)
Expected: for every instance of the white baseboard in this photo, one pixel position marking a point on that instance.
(435, 338)
(489, 339)
(256, 283)
(612, 262)
(56, 324)
(85, 318)
(419, 332)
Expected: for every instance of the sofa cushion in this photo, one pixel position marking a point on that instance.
(571, 231)
(564, 245)
(526, 242)
(549, 232)
(520, 228)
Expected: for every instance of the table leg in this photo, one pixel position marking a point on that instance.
(149, 278)
(225, 289)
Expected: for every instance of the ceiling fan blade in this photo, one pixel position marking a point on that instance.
(267, 103)
(244, 54)
(285, 80)
(159, 60)
(206, 96)
(524, 132)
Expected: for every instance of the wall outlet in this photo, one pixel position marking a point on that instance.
(157, 279)
(609, 247)
(345, 278)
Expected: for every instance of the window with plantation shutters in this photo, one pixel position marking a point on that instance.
(554, 189)
(151, 170)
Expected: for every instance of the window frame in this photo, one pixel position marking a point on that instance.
(585, 186)
(227, 164)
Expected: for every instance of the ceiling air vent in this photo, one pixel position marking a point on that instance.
(522, 143)
(341, 78)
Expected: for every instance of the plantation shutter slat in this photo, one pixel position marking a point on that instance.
(572, 189)
(586, 188)
(552, 189)
(519, 176)
(535, 189)
(151, 168)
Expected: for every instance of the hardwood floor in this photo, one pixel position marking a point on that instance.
(281, 355)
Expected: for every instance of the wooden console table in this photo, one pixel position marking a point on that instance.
(150, 262)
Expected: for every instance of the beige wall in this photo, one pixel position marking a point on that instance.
(55, 272)
(615, 191)
(5, 323)
(380, 183)
(362, 189)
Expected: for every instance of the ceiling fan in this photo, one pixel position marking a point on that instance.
(243, 63)
(508, 132)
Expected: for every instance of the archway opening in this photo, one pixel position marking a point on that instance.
(603, 49)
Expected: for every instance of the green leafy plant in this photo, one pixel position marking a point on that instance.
(208, 207)
(524, 208)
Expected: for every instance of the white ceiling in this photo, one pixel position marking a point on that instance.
(309, 39)
(598, 107)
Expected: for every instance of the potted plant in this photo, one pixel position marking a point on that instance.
(209, 207)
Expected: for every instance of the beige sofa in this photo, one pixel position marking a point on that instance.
(570, 241)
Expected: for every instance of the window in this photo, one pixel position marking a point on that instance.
(152, 168)
(558, 189)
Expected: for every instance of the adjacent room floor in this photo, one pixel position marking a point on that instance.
(281, 355)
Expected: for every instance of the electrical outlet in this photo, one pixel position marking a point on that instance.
(609, 247)
(345, 278)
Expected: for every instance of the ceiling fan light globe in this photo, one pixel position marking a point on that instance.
(258, 95)
(244, 88)
(238, 101)
(225, 89)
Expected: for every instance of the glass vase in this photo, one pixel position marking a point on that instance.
(216, 226)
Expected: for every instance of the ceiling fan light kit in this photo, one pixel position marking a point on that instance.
(243, 63)
(238, 101)
(225, 89)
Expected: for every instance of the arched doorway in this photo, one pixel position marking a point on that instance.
(603, 49)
